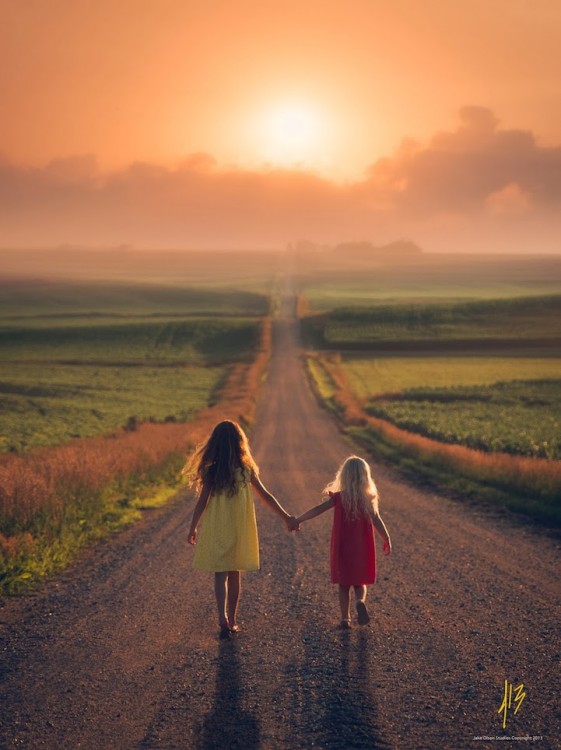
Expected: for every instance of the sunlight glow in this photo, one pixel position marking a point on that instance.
(293, 127)
(294, 134)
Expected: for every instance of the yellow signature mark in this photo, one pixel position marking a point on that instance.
(513, 696)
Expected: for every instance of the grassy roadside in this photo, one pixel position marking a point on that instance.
(54, 501)
(526, 485)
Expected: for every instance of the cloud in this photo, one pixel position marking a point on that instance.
(459, 171)
(72, 170)
(510, 201)
(478, 187)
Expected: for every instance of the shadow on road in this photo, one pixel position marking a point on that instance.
(354, 704)
(229, 725)
(338, 706)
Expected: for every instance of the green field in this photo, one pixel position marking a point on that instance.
(476, 366)
(42, 406)
(328, 282)
(372, 376)
(532, 320)
(152, 339)
(48, 301)
(82, 359)
(517, 417)
(510, 404)
(199, 341)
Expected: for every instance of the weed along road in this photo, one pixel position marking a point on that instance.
(121, 651)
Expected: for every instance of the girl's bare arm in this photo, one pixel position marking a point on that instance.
(380, 527)
(272, 502)
(200, 508)
(317, 510)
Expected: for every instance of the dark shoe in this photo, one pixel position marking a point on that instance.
(345, 625)
(363, 616)
(224, 634)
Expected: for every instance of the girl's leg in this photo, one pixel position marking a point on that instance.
(234, 589)
(362, 612)
(360, 593)
(345, 602)
(220, 591)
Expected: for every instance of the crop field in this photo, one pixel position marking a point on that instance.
(81, 359)
(452, 373)
(374, 376)
(326, 284)
(96, 382)
(38, 303)
(517, 417)
(194, 341)
(493, 403)
(48, 406)
(534, 320)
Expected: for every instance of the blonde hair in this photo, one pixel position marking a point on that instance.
(359, 495)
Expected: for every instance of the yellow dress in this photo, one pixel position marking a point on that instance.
(228, 535)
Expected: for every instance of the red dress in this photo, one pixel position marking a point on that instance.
(353, 551)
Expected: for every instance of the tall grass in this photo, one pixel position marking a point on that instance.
(525, 484)
(54, 500)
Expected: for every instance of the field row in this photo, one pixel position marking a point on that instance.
(62, 382)
(512, 320)
(371, 376)
(193, 341)
(49, 406)
(333, 282)
(517, 417)
(51, 300)
(506, 404)
(454, 436)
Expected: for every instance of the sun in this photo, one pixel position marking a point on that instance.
(293, 134)
(293, 126)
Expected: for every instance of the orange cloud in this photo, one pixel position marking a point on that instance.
(471, 187)
(510, 200)
(459, 170)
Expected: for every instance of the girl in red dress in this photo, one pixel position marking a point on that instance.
(354, 497)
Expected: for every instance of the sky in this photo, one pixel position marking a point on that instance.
(253, 123)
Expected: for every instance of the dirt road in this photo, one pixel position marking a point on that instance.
(121, 652)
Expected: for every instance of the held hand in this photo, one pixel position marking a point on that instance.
(388, 546)
(193, 537)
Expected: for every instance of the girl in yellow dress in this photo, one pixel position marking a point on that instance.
(224, 473)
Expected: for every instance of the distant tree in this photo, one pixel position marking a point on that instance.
(362, 247)
(401, 247)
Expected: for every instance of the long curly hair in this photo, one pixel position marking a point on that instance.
(359, 495)
(214, 463)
